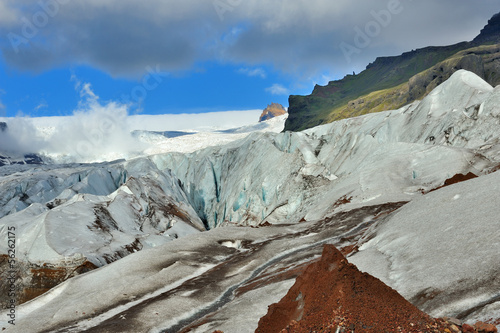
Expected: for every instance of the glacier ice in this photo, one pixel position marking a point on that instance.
(275, 178)
(291, 181)
(440, 251)
(101, 215)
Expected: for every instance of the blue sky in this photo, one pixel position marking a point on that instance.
(215, 88)
(192, 56)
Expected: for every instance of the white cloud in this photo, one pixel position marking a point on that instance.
(2, 106)
(277, 89)
(100, 131)
(8, 14)
(297, 37)
(253, 72)
(95, 132)
(87, 93)
(42, 105)
(103, 132)
(20, 138)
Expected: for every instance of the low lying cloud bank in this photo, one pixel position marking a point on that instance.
(103, 131)
(93, 133)
(21, 137)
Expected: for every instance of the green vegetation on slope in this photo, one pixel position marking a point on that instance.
(384, 73)
(483, 60)
(391, 82)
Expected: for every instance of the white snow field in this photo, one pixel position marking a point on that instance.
(270, 201)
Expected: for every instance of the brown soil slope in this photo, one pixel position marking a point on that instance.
(332, 295)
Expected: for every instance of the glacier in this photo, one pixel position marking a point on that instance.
(440, 251)
(159, 226)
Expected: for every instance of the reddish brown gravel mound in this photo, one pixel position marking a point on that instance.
(458, 178)
(332, 295)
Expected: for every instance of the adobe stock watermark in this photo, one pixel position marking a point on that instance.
(12, 275)
(365, 35)
(31, 26)
(224, 6)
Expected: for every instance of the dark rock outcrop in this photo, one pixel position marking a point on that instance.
(24, 159)
(490, 33)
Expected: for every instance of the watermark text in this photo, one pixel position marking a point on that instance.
(31, 26)
(364, 36)
(11, 275)
(224, 6)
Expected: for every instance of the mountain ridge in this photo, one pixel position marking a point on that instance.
(385, 75)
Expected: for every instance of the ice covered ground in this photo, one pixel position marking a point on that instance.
(374, 159)
(188, 141)
(440, 251)
(100, 215)
(220, 279)
(326, 184)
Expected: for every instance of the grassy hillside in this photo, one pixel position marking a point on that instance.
(484, 61)
(391, 82)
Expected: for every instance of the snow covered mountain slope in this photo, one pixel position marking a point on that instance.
(193, 140)
(326, 184)
(21, 186)
(73, 217)
(103, 217)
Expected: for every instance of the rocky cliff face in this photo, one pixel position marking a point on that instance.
(391, 82)
(483, 61)
(271, 111)
(489, 34)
